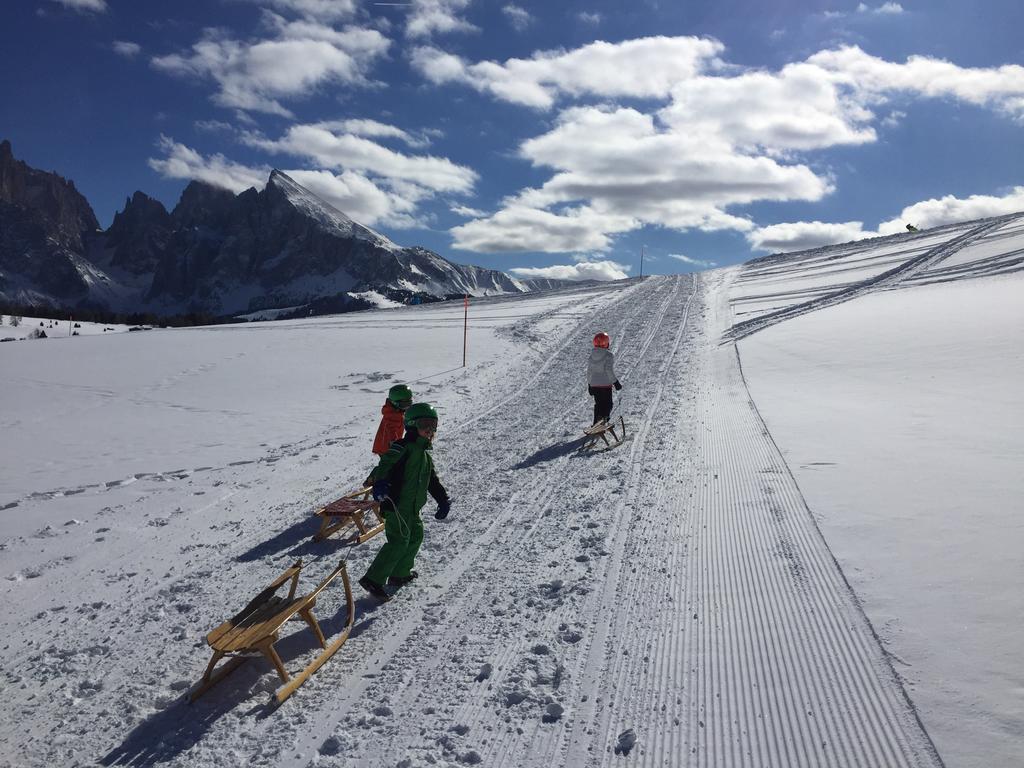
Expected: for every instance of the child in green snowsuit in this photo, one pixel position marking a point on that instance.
(401, 482)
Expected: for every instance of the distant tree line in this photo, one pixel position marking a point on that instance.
(91, 315)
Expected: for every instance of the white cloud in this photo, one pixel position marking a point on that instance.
(126, 49)
(584, 270)
(869, 79)
(644, 68)
(373, 128)
(950, 209)
(518, 17)
(331, 148)
(182, 162)
(520, 228)
(85, 6)
(325, 10)
(359, 197)
(802, 235)
(588, 17)
(893, 119)
(213, 126)
(622, 159)
(800, 107)
(303, 57)
(717, 136)
(465, 210)
(429, 17)
(693, 262)
(621, 172)
(886, 9)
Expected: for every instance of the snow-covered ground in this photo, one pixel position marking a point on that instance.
(742, 583)
(54, 329)
(900, 415)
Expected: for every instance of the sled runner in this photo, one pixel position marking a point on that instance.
(602, 429)
(351, 508)
(254, 630)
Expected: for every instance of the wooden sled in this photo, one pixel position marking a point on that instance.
(254, 630)
(602, 429)
(350, 509)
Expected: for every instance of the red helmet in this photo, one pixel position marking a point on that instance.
(602, 340)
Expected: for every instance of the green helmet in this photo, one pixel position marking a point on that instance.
(400, 396)
(419, 411)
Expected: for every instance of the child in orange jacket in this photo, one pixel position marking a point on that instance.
(392, 416)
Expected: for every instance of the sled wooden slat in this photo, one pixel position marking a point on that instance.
(351, 509)
(254, 630)
(602, 429)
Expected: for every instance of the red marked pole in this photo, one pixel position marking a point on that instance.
(465, 326)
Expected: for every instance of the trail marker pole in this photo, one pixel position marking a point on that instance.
(465, 326)
(642, 248)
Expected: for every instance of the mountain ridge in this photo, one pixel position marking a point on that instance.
(214, 253)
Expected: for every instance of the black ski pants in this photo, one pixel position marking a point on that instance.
(602, 402)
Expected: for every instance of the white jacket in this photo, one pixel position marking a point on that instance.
(601, 368)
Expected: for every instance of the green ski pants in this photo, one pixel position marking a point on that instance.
(404, 531)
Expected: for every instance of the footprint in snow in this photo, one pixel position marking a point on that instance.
(331, 746)
(626, 742)
(568, 635)
(553, 713)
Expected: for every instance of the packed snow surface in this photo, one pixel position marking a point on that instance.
(900, 416)
(744, 582)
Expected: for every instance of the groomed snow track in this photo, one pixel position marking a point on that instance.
(668, 602)
(907, 271)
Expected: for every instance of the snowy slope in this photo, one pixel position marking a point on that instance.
(916, 474)
(668, 602)
(54, 329)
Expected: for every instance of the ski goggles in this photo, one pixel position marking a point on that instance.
(426, 426)
(402, 404)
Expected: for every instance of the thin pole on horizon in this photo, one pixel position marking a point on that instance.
(465, 326)
(642, 249)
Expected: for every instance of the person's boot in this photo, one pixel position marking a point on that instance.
(398, 581)
(375, 589)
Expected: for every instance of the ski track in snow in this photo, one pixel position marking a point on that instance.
(535, 635)
(918, 269)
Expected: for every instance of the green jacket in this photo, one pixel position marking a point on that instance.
(409, 468)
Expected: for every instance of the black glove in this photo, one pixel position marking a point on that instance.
(380, 489)
(617, 385)
(443, 507)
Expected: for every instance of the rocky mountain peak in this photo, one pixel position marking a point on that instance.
(140, 209)
(139, 234)
(216, 252)
(318, 210)
(52, 199)
(202, 204)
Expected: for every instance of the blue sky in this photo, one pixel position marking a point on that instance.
(542, 138)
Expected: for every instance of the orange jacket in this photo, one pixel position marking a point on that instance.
(392, 427)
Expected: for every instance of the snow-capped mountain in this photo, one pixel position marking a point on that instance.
(216, 252)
